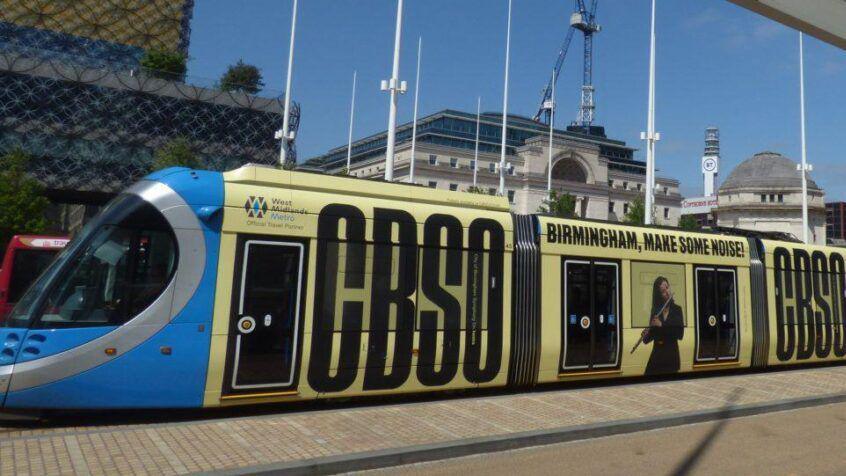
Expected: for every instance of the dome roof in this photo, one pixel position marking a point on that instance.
(766, 170)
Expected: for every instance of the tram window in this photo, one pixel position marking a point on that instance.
(27, 265)
(123, 268)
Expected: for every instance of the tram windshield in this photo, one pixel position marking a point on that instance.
(118, 265)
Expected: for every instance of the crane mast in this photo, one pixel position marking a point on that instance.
(583, 20)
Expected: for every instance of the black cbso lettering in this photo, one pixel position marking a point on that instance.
(383, 296)
(326, 289)
(451, 308)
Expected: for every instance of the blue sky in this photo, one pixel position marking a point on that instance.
(717, 64)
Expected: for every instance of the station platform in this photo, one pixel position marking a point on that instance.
(337, 437)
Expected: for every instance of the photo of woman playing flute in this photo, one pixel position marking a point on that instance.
(666, 329)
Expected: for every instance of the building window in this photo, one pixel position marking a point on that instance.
(772, 197)
(433, 184)
(433, 159)
(625, 209)
(610, 207)
(763, 198)
(453, 162)
(492, 167)
(472, 165)
(453, 187)
(639, 186)
(666, 190)
(625, 185)
(781, 198)
(510, 169)
(611, 183)
(666, 213)
(511, 196)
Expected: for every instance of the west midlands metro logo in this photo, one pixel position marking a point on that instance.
(256, 207)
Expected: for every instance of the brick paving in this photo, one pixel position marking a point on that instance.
(249, 439)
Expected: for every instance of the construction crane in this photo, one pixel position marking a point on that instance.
(583, 20)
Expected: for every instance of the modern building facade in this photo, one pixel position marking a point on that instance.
(601, 173)
(74, 96)
(764, 193)
(835, 221)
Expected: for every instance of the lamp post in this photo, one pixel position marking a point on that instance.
(551, 106)
(650, 136)
(505, 105)
(476, 154)
(285, 135)
(395, 87)
(414, 124)
(804, 167)
(352, 117)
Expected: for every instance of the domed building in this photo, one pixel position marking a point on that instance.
(764, 193)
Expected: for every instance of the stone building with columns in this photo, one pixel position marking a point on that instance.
(764, 193)
(601, 173)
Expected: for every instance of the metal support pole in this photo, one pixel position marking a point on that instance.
(551, 129)
(286, 135)
(352, 118)
(476, 154)
(505, 105)
(414, 125)
(804, 166)
(650, 136)
(395, 87)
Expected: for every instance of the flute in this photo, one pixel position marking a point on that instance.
(639, 341)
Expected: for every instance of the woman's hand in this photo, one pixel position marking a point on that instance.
(645, 333)
(655, 322)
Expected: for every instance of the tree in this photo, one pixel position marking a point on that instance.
(22, 203)
(559, 205)
(475, 189)
(169, 65)
(242, 77)
(289, 165)
(637, 212)
(344, 171)
(176, 153)
(689, 223)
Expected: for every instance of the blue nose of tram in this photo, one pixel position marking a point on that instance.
(123, 317)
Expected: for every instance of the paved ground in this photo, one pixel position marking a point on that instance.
(173, 443)
(805, 441)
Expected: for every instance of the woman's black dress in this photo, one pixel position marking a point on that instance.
(665, 349)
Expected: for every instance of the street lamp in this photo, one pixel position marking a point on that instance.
(551, 105)
(650, 136)
(804, 167)
(352, 117)
(395, 87)
(286, 135)
(414, 124)
(505, 105)
(476, 153)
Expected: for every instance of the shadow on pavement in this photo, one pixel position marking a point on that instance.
(686, 466)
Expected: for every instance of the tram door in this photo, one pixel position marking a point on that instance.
(716, 314)
(591, 320)
(265, 321)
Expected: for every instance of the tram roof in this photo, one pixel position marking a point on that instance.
(267, 176)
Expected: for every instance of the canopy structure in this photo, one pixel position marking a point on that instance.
(823, 19)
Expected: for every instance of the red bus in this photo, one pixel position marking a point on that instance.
(25, 259)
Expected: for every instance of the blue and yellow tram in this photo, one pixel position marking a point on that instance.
(201, 289)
